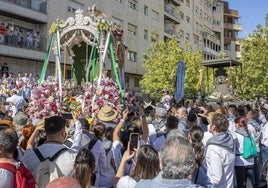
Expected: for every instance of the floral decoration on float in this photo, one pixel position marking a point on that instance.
(87, 98)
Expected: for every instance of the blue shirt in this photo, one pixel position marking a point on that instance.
(159, 182)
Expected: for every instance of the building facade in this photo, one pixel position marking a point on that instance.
(231, 30)
(204, 24)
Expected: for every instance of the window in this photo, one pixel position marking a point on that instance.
(237, 48)
(187, 36)
(118, 21)
(127, 81)
(196, 42)
(145, 34)
(132, 29)
(181, 15)
(229, 33)
(181, 33)
(188, 3)
(227, 47)
(236, 33)
(145, 10)
(187, 19)
(136, 82)
(72, 6)
(120, 1)
(132, 56)
(132, 4)
(155, 15)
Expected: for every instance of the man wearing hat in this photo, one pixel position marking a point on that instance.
(20, 120)
(107, 115)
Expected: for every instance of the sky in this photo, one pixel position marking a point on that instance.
(252, 13)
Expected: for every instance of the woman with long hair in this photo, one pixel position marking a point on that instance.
(195, 137)
(242, 166)
(84, 167)
(147, 167)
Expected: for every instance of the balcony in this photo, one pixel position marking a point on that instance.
(208, 50)
(212, 38)
(170, 31)
(217, 28)
(25, 9)
(39, 6)
(230, 26)
(177, 2)
(171, 14)
(24, 49)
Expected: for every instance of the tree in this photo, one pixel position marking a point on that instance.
(254, 50)
(160, 64)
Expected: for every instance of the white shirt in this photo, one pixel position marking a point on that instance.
(116, 149)
(207, 136)
(220, 166)
(7, 178)
(65, 160)
(232, 128)
(126, 182)
(256, 135)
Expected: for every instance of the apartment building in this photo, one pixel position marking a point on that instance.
(231, 30)
(201, 23)
(139, 20)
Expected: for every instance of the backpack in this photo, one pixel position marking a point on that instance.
(47, 169)
(249, 147)
(23, 178)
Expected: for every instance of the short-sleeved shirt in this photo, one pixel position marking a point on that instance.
(65, 160)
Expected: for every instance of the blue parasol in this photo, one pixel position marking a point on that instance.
(179, 86)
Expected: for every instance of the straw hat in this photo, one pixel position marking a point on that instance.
(107, 114)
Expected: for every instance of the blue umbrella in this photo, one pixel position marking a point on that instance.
(179, 86)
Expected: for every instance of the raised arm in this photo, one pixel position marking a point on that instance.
(32, 137)
(120, 172)
(119, 126)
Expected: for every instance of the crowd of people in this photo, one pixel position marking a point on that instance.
(166, 145)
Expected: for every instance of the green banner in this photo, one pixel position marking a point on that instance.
(44, 68)
(114, 68)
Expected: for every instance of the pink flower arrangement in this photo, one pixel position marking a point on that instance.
(88, 98)
(45, 101)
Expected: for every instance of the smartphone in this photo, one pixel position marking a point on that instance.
(134, 139)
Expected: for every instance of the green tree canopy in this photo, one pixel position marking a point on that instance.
(254, 50)
(160, 64)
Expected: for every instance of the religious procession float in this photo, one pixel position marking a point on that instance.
(90, 89)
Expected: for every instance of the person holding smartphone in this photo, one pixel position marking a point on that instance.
(146, 167)
(121, 140)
